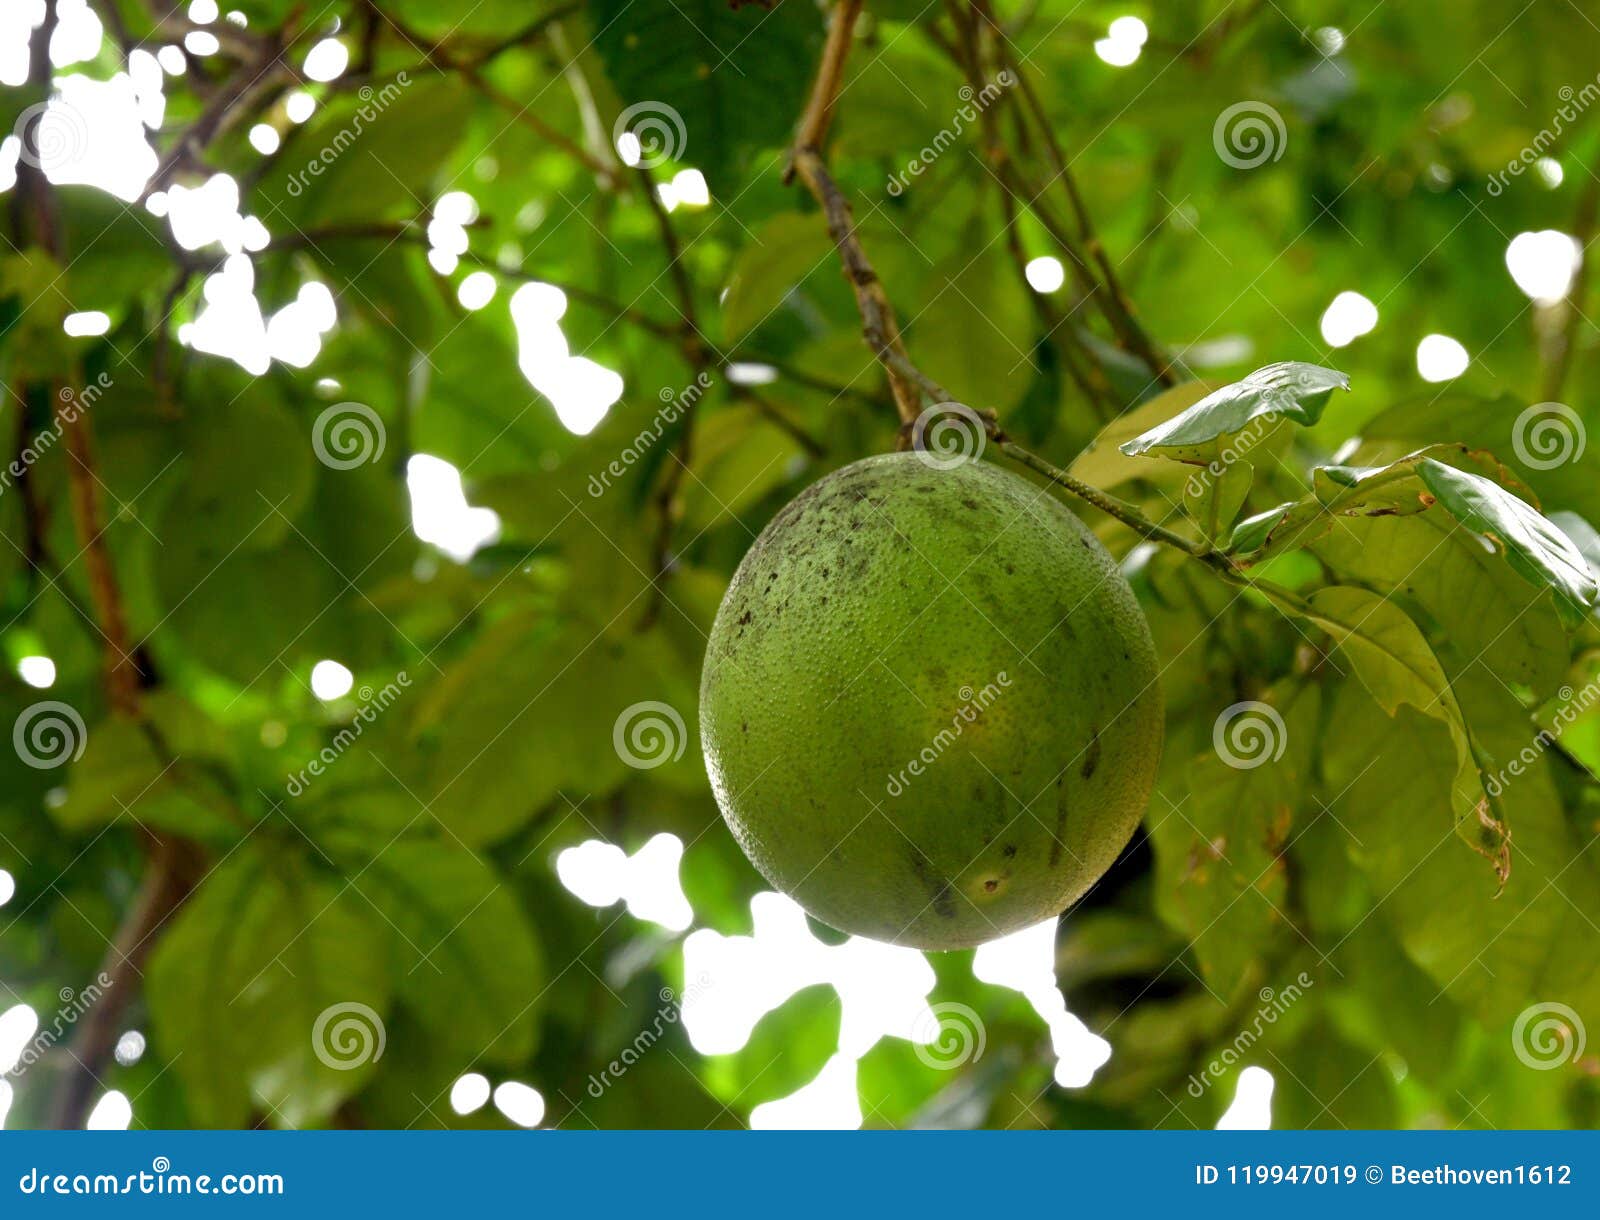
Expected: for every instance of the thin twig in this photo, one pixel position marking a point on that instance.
(879, 326)
(446, 60)
(877, 317)
(1081, 366)
(256, 75)
(813, 126)
(1086, 248)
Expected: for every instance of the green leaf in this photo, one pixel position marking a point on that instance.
(251, 986)
(1289, 390)
(458, 932)
(1474, 607)
(1394, 663)
(367, 157)
(786, 1050)
(1222, 877)
(1212, 498)
(249, 472)
(776, 259)
(1254, 532)
(974, 334)
(158, 772)
(1530, 543)
(493, 751)
(1495, 956)
(1326, 1083)
(706, 83)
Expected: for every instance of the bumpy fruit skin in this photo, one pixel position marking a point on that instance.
(930, 705)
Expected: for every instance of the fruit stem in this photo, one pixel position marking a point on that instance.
(1109, 504)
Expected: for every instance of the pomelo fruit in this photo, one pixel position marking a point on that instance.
(929, 705)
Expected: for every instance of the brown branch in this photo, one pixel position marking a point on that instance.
(881, 330)
(167, 884)
(1084, 369)
(695, 350)
(162, 889)
(251, 77)
(879, 327)
(818, 114)
(878, 315)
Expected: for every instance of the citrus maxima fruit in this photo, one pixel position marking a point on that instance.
(929, 705)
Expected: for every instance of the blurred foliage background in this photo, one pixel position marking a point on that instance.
(549, 249)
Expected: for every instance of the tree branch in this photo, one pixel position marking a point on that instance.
(879, 325)
(163, 887)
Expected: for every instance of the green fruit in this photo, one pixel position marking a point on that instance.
(930, 705)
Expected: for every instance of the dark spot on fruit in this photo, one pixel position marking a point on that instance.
(1009, 850)
(1092, 754)
(939, 887)
(990, 886)
(744, 618)
(969, 503)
